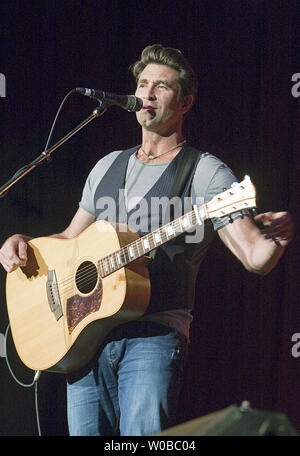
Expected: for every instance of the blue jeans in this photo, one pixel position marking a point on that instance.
(132, 387)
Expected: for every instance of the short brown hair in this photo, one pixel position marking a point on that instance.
(157, 53)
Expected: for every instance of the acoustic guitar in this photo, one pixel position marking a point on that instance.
(73, 292)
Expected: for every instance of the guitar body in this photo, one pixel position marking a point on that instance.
(60, 307)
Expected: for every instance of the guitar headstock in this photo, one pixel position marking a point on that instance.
(238, 197)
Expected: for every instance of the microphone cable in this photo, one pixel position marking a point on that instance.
(25, 385)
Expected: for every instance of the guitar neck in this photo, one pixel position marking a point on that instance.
(149, 242)
(238, 197)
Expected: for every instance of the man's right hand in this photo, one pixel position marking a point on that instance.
(13, 253)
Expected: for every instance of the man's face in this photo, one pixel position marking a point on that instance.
(162, 110)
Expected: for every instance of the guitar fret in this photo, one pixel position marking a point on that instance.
(119, 261)
(177, 227)
(127, 255)
(157, 237)
(146, 244)
(164, 235)
(137, 251)
(185, 222)
(105, 265)
(143, 247)
(138, 245)
(152, 242)
(180, 225)
(169, 231)
(123, 256)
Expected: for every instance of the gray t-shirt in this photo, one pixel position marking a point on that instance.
(140, 177)
(211, 177)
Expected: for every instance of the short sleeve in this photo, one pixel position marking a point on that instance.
(87, 201)
(93, 179)
(211, 178)
(221, 181)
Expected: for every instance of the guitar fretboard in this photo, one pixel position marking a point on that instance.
(145, 244)
(239, 197)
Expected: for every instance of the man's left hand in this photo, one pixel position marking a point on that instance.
(278, 226)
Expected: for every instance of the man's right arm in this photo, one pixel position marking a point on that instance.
(13, 252)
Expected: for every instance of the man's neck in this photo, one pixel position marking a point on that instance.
(157, 144)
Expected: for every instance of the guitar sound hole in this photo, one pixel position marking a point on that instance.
(86, 277)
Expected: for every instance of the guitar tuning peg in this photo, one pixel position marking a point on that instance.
(234, 184)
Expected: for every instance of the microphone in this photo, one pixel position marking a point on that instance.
(128, 102)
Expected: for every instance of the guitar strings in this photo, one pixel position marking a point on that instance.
(137, 245)
(84, 276)
(86, 272)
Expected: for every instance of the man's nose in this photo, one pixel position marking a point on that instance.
(150, 92)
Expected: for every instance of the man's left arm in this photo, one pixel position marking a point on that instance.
(259, 250)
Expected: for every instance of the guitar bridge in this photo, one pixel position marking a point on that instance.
(53, 295)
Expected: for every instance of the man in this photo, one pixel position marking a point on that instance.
(132, 385)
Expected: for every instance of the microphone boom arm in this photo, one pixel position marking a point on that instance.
(45, 155)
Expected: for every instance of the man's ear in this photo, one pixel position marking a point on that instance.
(187, 103)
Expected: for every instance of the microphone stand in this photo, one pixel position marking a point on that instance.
(45, 155)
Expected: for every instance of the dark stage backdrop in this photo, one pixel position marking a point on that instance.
(247, 112)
